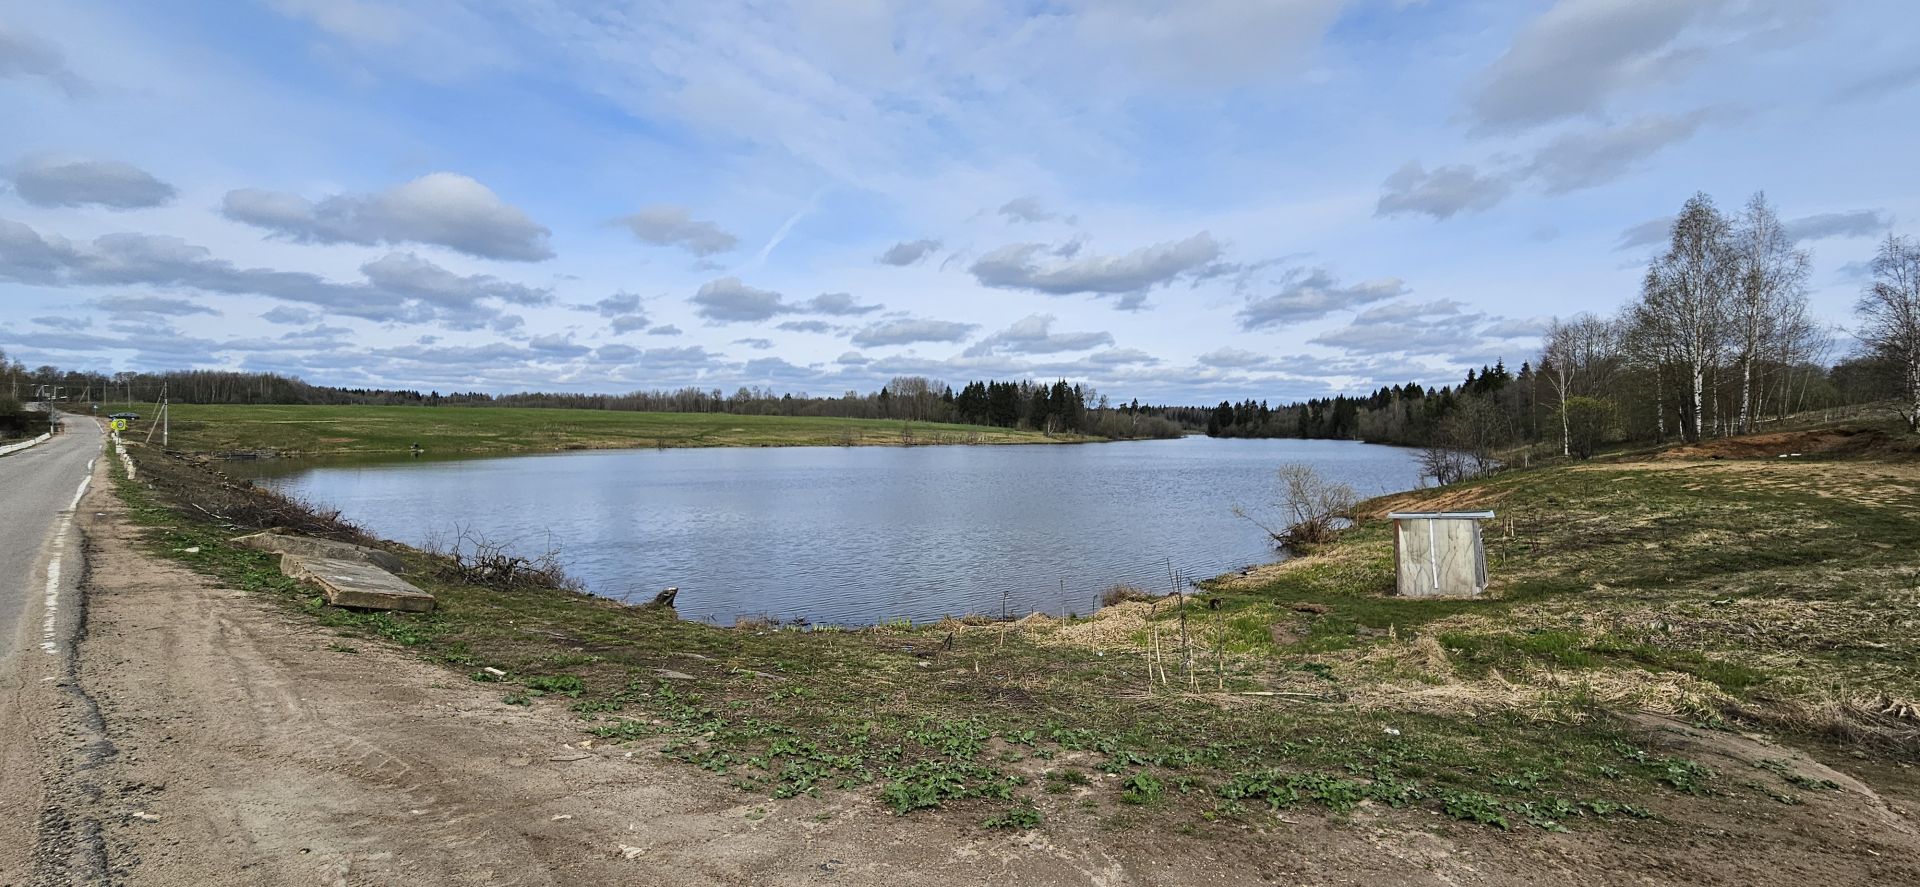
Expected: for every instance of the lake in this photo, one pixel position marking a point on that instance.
(853, 535)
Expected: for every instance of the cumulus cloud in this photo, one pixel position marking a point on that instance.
(47, 180)
(907, 252)
(555, 345)
(756, 344)
(127, 304)
(1576, 56)
(664, 330)
(1435, 327)
(615, 305)
(23, 55)
(1034, 335)
(1026, 209)
(907, 331)
(836, 304)
(807, 326)
(399, 287)
(1516, 328)
(1445, 191)
(1035, 267)
(64, 322)
(1577, 160)
(442, 209)
(1238, 358)
(410, 275)
(289, 315)
(728, 300)
(622, 311)
(668, 225)
(1312, 293)
(1651, 232)
(1856, 223)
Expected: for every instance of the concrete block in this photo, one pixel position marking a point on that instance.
(356, 584)
(285, 543)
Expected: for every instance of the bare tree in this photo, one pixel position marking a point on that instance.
(1578, 357)
(1769, 294)
(1683, 307)
(1309, 506)
(1890, 317)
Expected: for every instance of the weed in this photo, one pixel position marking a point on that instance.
(1021, 816)
(1141, 788)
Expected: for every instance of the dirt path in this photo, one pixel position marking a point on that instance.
(236, 743)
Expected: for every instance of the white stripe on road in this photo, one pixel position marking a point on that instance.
(49, 627)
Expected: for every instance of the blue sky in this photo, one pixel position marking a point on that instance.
(1176, 202)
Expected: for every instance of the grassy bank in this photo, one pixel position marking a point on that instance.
(1728, 595)
(351, 430)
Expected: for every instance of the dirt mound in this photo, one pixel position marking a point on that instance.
(1829, 442)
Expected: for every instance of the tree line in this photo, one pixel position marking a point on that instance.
(1718, 341)
(1059, 407)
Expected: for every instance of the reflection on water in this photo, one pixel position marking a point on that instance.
(853, 535)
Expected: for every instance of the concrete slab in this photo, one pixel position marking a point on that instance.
(356, 584)
(287, 543)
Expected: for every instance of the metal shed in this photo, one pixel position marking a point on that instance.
(1438, 553)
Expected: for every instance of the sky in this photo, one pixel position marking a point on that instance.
(1176, 202)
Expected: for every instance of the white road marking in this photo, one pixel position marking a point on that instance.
(50, 628)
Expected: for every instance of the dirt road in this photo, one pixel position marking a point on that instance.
(234, 742)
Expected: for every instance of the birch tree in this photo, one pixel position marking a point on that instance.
(1686, 295)
(1890, 317)
(1578, 357)
(1769, 295)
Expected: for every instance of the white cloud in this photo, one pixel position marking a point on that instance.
(1445, 191)
(1034, 335)
(51, 180)
(1578, 160)
(907, 331)
(442, 208)
(667, 225)
(729, 300)
(908, 252)
(1031, 266)
(1312, 293)
(1577, 56)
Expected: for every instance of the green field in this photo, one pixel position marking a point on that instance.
(353, 430)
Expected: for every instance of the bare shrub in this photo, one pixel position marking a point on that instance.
(1310, 509)
(474, 559)
(1445, 465)
(1120, 594)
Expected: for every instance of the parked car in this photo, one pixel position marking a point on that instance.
(123, 416)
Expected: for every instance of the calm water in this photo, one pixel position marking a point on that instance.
(854, 535)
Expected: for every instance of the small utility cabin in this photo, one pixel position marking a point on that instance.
(1438, 553)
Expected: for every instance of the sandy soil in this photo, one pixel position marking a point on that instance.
(232, 746)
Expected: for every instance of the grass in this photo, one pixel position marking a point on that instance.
(1748, 591)
(373, 430)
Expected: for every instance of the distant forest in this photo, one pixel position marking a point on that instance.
(1056, 408)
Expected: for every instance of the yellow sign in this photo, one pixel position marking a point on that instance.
(118, 425)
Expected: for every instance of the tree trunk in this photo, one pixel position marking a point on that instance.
(1699, 411)
(1746, 396)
